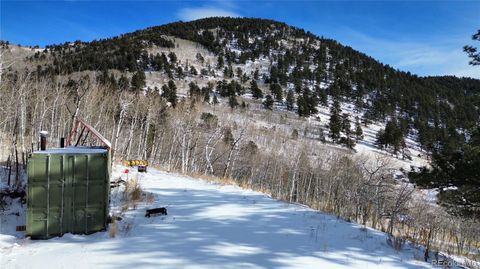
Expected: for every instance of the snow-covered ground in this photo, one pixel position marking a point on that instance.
(211, 226)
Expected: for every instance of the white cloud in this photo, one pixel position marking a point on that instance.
(470, 71)
(442, 60)
(190, 14)
(432, 57)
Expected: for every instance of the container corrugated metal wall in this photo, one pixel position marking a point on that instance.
(68, 191)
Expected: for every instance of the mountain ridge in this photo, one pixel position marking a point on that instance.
(294, 60)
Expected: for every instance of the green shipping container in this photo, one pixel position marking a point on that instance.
(68, 191)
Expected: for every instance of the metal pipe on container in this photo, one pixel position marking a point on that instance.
(43, 140)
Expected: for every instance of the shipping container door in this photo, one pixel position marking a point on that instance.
(55, 187)
(97, 192)
(37, 196)
(79, 186)
(67, 220)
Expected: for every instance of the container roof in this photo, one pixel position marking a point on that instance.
(72, 150)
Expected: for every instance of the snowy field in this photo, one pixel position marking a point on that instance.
(212, 226)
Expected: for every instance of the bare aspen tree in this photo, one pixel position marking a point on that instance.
(399, 198)
(212, 141)
(124, 105)
(232, 149)
(4, 62)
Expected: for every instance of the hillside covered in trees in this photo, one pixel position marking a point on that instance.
(443, 109)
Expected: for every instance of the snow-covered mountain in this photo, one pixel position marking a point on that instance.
(280, 60)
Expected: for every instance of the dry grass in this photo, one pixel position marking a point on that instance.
(125, 207)
(112, 231)
(150, 198)
(127, 227)
(132, 194)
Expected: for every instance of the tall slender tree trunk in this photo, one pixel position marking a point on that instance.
(117, 133)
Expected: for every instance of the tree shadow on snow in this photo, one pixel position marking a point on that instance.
(209, 227)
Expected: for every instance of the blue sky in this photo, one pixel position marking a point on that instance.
(423, 37)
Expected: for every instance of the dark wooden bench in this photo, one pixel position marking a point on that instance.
(156, 211)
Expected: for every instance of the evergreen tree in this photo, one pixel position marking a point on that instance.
(290, 100)
(426, 135)
(172, 86)
(232, 101)
(268, 102)
(346, 124)
(165, 91)
(244, 78)
(348, 141)
(169, 92)
(138, 81)
(312, 101)
(391, 136)
(239, 73)
(322, 96)
(193, 71)
(168, 71)
(256, 74)
(381, 139)
(276, 91)
(173, 57)
(220, 61)
(302, 106)
(255, 90)
(180, 73)
(194, 90)
(298, 86)
(215, 99)
(227, 72)
(457, 176)
(358, 129)
(335, 123)
(200, 58)
(306, 103)
(222, 88)
(473, 52)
